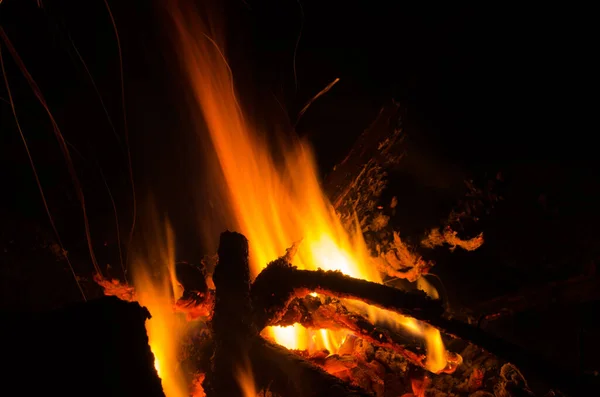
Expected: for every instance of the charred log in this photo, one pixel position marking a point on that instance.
(311, 312)
(98, 348)
(531, 364)
(191, 277)
(231, 323)
(290, 375)
(280, 282)
(356, 183)
(276, 287)
(197, 300)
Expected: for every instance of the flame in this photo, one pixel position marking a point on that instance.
(245, 380)
(274, 203)
(165, 329)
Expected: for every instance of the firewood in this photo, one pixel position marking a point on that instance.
(290, 375)
(97, 348)
(356, 183)
(280, 282)
(236, 339)
(197, 299)
(310, 312)
(528, 362)
(231, 325)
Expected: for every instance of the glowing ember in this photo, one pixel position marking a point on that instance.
(275, 203)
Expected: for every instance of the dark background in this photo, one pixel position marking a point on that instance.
(493, 94)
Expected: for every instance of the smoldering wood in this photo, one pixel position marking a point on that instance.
(311, 312)
(197, 299)
(532, 365)
(288, 374)
(191, 277)
(280, 282)
(355, 184)
(231, 323)
(236, 339)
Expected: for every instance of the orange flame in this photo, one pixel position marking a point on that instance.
(274, 203)
(166, 328)
(245, 379)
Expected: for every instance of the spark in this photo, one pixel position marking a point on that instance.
(98, 164)
(61, 141)
(319, 94)
(126, 130)
(37, 179)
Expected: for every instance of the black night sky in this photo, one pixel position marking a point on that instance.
(493, 94)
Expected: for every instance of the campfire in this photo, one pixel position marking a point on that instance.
(302, 302)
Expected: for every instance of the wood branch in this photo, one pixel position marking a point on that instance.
(310, 312)
(231, 326)
(280, 282)
(290, 375)
(197, 299)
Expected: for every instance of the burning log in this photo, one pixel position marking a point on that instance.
(528, 362)
(280, 296)
(290, 375)
(231, 322)
(280, 282)
(277, 285)
(236, 338)
(197, 300)
(310, 312)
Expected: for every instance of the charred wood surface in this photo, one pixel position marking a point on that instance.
(98, 348)
(356, 183)
(231, 323)
(276, 287)
(280, 282)
(310, 312)
(531, 364)
(290, 375)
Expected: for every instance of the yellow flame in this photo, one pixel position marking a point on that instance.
(157, 293)
(274, 203)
